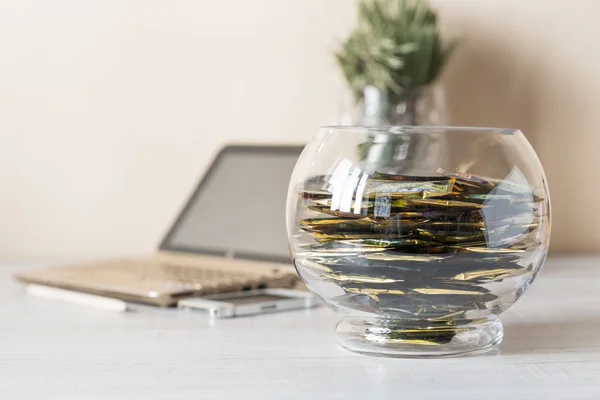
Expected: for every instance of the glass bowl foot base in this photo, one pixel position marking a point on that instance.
(392, 339)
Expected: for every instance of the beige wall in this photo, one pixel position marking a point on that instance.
(109, 111)
(533, 64)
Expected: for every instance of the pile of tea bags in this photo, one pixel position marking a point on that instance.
(418, 248)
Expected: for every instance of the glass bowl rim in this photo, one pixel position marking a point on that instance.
(423, 129)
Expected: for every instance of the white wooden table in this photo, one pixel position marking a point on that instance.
(52, 350)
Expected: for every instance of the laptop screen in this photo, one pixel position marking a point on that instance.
(239, 206)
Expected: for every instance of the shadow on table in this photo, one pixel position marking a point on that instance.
(550, 336)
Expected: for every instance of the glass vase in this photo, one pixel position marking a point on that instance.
(418, 250)
(425, 106)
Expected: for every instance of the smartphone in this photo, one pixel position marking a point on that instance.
(251, 302)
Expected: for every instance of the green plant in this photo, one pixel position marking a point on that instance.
(396, 47)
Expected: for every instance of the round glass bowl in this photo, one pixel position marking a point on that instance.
(418, 237)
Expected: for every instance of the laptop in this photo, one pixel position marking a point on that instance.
(230, 236)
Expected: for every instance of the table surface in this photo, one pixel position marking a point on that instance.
(56, 350)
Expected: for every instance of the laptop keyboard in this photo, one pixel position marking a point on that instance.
(148, 279)
(182, 277)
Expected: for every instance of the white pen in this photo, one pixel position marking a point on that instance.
(84, 299)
